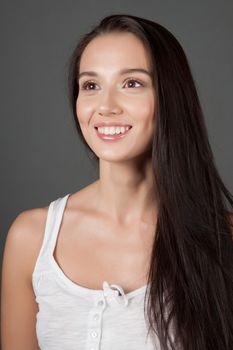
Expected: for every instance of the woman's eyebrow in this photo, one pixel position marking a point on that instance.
(121, 72)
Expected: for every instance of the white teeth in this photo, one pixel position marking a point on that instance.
(113, 130)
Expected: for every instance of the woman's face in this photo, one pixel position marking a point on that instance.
(109, 95)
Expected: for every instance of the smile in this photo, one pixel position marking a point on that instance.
(112, 133)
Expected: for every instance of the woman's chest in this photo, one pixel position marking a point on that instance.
(90, 252)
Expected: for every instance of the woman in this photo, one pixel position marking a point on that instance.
(141, 258)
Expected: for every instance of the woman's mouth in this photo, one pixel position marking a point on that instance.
(112, 133)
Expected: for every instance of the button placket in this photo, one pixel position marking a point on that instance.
(95, 321)
(94, 337)
(96, 317)
(100, 304)
(94, 334)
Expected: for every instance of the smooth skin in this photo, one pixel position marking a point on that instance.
(125, 184)
(108, 227)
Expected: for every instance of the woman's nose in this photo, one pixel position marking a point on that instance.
(108, 104)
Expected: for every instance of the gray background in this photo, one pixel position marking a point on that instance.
(41, 156)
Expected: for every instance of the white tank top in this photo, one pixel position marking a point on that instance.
(73, 317)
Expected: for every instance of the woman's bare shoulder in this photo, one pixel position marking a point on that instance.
(25, 236)
(28, 223)
(26, 232)
(18, 305)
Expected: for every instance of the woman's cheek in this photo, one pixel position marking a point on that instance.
(143, 108)
(83, 111)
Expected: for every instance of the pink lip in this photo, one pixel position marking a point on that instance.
(110, 124)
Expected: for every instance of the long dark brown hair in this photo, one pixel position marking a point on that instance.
(191, 266)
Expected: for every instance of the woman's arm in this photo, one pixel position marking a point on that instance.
(18, 305)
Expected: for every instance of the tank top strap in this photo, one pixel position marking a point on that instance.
(53, 222)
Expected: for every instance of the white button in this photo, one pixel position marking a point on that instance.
(96, 317)
(100, 302)
(94, 334)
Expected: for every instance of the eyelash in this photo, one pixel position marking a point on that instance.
(85, 84)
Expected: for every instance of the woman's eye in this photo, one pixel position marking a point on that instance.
(88, 84)
(131, 82)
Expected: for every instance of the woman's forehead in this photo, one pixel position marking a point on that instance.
(119, 50)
